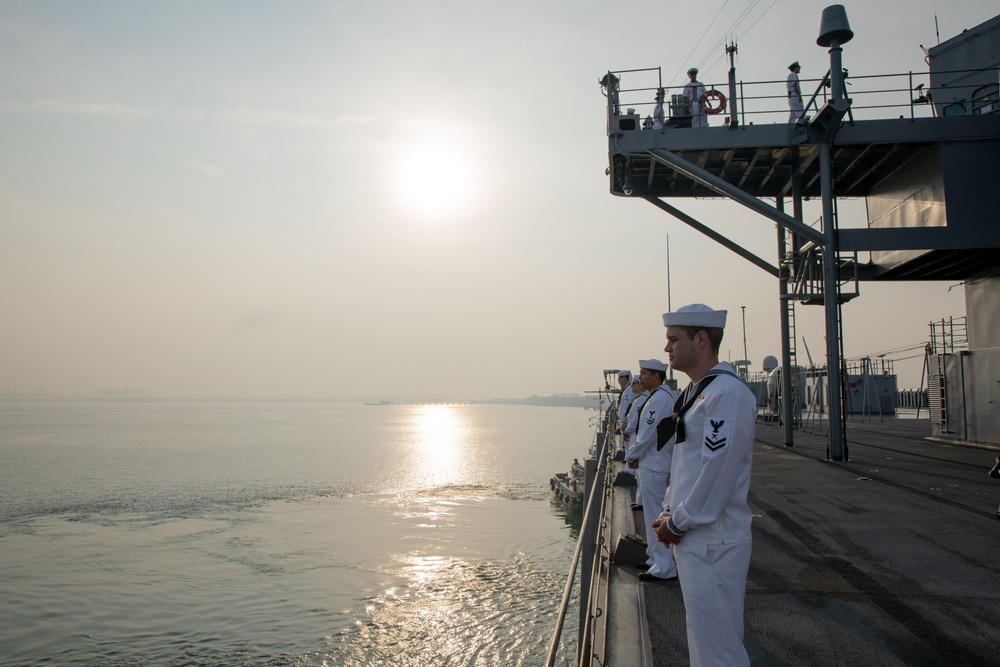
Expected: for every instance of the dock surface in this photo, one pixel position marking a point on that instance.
(889, 558)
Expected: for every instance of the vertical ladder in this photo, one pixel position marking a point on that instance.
(941, 395)
(843, 372)
(795, 399)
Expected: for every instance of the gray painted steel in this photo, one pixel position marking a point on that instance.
(886, 559)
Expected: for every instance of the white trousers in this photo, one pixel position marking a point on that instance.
(659, 557)
(638, 489)
(698, 118)
(795, 108)
(714, 582)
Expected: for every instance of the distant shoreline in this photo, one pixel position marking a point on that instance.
(558, 400)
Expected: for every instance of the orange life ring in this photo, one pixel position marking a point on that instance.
(709, 107)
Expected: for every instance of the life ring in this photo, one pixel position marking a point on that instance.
(711, 108)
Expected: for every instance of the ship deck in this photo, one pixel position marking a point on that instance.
(888, 558)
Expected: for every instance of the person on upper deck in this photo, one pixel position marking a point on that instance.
(794, 91)
(706, 516)
(694, 99)
(658, 117)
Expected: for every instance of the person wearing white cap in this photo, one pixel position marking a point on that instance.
(707, 518)
(694, 99)
(628, 433)
(795, 107)
(658, 117)
(654, 465)
(625, 398)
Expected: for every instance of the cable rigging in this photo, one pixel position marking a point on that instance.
(693, 48)
(744, 15)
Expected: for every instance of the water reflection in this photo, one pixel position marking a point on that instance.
(571, 514)
(454, 612)
(439, 446)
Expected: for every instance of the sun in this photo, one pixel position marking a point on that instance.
(435, 177)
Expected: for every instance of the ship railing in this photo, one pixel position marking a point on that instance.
(591, 538)
(949, 335)
(873, 96)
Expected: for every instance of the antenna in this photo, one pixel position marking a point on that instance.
(744, 332)
(804, 343)
(669, 309)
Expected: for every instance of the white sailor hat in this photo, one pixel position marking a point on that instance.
(653, 365)
(696, 315)
(794, 65)
(625, 373)
(693, 70)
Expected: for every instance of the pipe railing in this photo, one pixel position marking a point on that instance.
(599, 489)
(874, 96)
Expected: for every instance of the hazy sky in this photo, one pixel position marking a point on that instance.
(333, 199)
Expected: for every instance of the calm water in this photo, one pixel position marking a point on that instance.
(282, 533)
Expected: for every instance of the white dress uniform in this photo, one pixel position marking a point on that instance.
(624, 401)
(654, 471)
(708, 500)
(693, 90)
(658, 116)
(631, 426)
(795, 106)
(624, 404)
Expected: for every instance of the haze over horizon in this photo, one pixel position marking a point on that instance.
(249, 199)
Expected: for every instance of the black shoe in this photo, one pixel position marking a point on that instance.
(637, 508)
(642, 567)
(646, 576)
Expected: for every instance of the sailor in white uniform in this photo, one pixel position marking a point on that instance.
(629, 422)
(795, 107)
(625, 399)
(659, 120)
(654, 465)
(694, 98)
(708, 520)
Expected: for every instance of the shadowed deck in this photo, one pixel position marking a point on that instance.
(889, 558)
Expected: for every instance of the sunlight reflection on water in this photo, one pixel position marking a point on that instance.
(276, 535)
(439, 444)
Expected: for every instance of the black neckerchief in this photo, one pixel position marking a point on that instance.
(645, 404)
(637, 423)
(673, 424)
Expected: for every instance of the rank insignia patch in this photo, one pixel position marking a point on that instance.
(714, 441)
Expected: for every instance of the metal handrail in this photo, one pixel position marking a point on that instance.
(890, 93)
(571, 577)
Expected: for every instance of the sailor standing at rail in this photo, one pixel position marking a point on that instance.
(625, 398)
(708, 520)
(795, 106)
(628, 435)
(659, 120)
(694, 98)
(654, 465)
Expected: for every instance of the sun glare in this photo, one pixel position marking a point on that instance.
(435, 178)
(438, 456)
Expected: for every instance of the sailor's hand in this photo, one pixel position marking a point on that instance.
(633, 464)
(663, 532)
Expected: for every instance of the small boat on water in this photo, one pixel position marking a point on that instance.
(568, 487)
